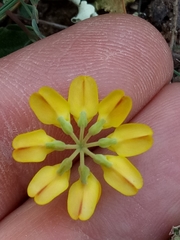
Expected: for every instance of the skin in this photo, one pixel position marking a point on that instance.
(120, 52)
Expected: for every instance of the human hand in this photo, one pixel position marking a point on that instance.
(120, 52)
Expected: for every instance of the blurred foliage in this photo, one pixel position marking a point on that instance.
(175, 233)
(12, 38)
(112, 5)
(16, 36)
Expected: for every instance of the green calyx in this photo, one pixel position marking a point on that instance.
(102, 160)
(57, 145)
(65, 166)
(82, 122)
(97, 127)
(65, 126)
(106, 142)
(84, 173)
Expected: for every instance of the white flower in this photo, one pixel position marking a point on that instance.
(85, 10)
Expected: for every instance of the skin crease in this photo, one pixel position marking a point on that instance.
(120, 52)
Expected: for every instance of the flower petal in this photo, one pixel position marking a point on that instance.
(83, 198)
(48, 105)
(114, 108)
(30, 147)
(48, 184)
(31, 139)
(83, 96)
(122, 176)
(31, 154)
(133, 139)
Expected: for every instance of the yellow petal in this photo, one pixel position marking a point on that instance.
(83, 96)
(31, 139)
(31, 154)
(48, 184)
(122, 176)
(48, 105)
(114, 108)
(30, 147)
(83, 198)
(133, 139)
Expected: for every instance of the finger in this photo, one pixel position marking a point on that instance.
(152, 212)
(119, 51)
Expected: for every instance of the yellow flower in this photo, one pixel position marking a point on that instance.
(126, 140)
(83, 198)
(48, 184)
(31, 146)
(110, 107)
(122, 176)
(48, 105)
(83, 97)
(132, 139)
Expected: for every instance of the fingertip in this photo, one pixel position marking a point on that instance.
(119, 51)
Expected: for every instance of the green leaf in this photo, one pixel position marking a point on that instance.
(8, 5)
(35, 13)
(36, 29)
(34, 2)
(12, 38)
(25, 10)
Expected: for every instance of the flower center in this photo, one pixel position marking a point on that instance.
(81, 145)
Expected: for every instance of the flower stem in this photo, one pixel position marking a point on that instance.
(81, 158)
(71, 146)
(87, 137)
(73, 155)
(73, 136)
(89, 153)
(81, 134)
(93, 144)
